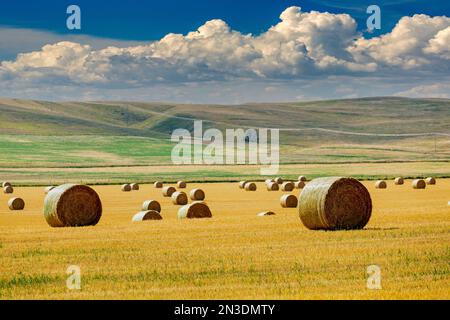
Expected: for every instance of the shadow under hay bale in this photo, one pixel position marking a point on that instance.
(71, 205)
(419, 184)
(250, 186)
(287, 186)
(168, 191)
(273, 186)
(380, 184)
(158, 185)
(151, 205)
(195, 210)
(288, 201)
(399, 181)
(335, 203)
(8, 190)
(265, 213)
(16, 204)
(134, 186)
(126, 187)
(146, 215)
(179, 198)
(197, 195)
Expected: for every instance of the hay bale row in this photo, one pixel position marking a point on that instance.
(179, 198)
(8, 189)
(272, 186)
(430, 181)
(146, 215)
(134, 186)
(242, 184)
(335, 203)
(288, 201)
(71, 205)
(302, 178)
(419, 184)
(195, 210)
(399, 181)
(299, 185)
(197, 195)
(250, 186)
(279, 180)
(6, 184)
(181, 184)
(287, 186)
(16, 204)
(126, 187)
(158, 185)
(380, 184)
(168, 191)
(151, 205)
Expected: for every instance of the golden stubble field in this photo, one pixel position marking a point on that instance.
(234, 255)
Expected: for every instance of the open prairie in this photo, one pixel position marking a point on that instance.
(233, 255)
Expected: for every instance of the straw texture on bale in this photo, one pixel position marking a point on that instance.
(266, 213)
(419, 184)
(16, 204)
(197, 195)
(380, 184)
(181, 184)
(126, 187)
(335, 203)
(194, 210)
(151, 205)
(288, 201)
(302, 178)
(287, 186)
(146, 215)
(250, 186)
(48, 189)
(430, 181)
(158, 185)
(242, 184)
(399, 181)
(168, 191)
(8, 189)
(71, 205)
(273, 186)
(299, 184)
(279, 180)
(134, 186)
(6, 183)
(179, 198)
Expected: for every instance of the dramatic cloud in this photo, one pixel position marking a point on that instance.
(302, 46)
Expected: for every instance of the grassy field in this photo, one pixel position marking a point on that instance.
(233, 255)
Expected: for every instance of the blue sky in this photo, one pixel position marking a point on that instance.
(123, 52)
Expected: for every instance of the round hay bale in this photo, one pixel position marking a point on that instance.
(158, 185)
(266, 213)
(419, 184)
(267, 181)
(146, 215)
(380, 184)
(195, 210)
(399, 181)
(179, 198)
(279, 180)
(288, 201)
(168, 191)
(181, 184)
(287, 186)
(302, 178)
(134, 186)
(430, 181)
(197, 195)
(272, 186)
(250, 186)
(16, 204)
(8, 189)
(126, 187)
(242, 184)
(72, 205)
(48, 189)
(6, 184)
(151, 205)
(299, 184)
(335, 203)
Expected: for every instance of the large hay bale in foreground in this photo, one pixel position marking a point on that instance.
(6, 184)
(168, 191)
(134, 186)
(279, 180)
(16, 204)
(181, 184)
(179, 198)
(287, 186)
(195, 210)
(151, 205)
(48, 189)
(72, 205)
(146, 215)
(335, 203)
(288, 201)
(242, 184)
(8, 189)
(266, 213)
(302, 178)
(250, 186)
(399, 181)
(299, 184)
(273, 186)
(158, 185)
(197, 195)
(430, 181)
(380, 184)
(419, 184)
(126, 187)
